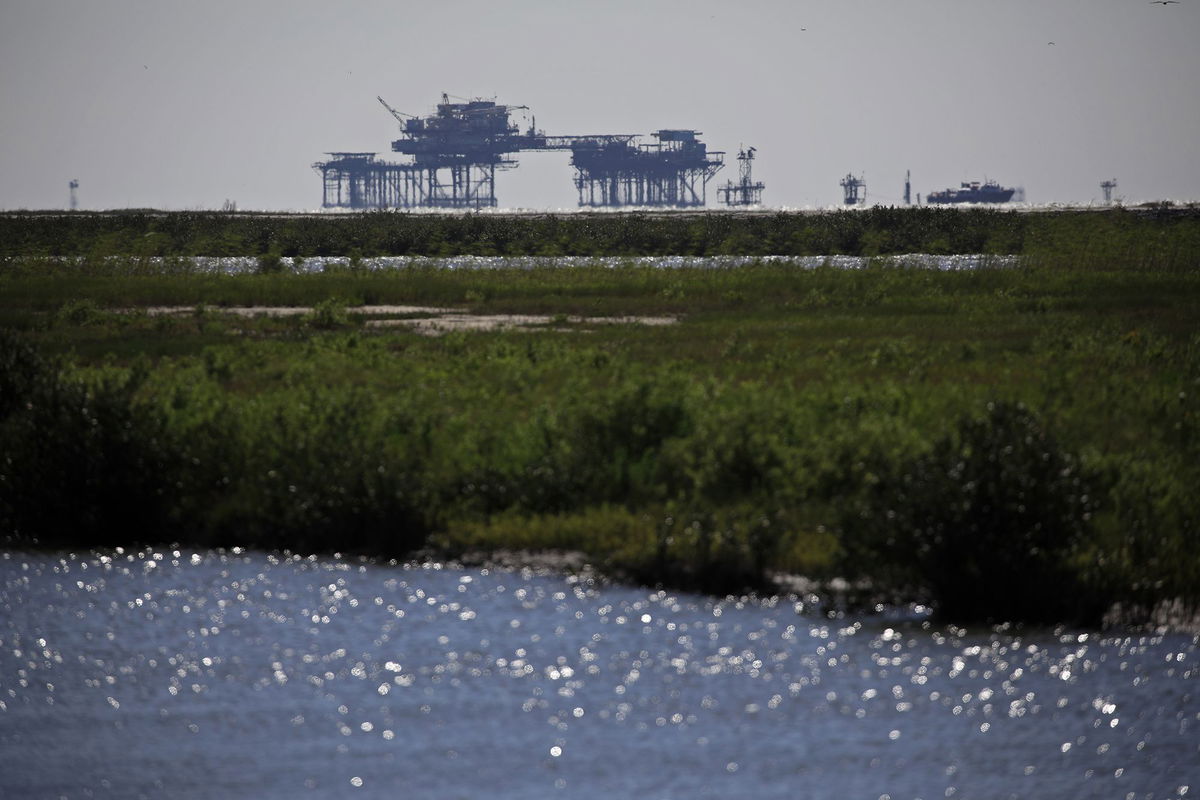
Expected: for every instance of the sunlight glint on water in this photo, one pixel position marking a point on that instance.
(234, 265)
(163, 674)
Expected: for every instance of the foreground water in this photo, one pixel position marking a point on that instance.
(169, 674)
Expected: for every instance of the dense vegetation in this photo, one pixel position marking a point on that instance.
(1016, 443)
(1125, 233)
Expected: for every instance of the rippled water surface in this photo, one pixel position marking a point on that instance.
(242, 675)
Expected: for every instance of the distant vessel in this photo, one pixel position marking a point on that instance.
(973, 192)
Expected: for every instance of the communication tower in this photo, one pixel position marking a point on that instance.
(1107, 187)
(73, 185)
(746, 192)
(908, 187)
(854, 189)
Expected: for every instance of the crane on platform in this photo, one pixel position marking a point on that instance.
(399, 115)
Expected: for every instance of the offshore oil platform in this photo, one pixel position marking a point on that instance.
(747, 191)
(456, 152)
(854, 190)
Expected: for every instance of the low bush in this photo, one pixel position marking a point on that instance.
(988, 523)
(328, 314)
(81, 465)
(270, 264)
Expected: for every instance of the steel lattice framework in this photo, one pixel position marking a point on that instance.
(674, 171)
(746, 192)
(854, 190)
(456, 152)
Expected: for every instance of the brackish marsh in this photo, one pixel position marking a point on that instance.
(1006, 443)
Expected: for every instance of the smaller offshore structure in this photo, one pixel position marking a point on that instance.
(1107, 187)
(456, 152)
(973, 192)
(746, 192)
(854, 190)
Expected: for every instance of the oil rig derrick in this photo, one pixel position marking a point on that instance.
(455, 153)
(745, 192)
(854, 190)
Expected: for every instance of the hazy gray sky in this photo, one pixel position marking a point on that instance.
(187, 103)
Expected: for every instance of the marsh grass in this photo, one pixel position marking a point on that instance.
(710, 454)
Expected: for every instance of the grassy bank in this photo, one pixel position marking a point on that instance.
(1007, 443)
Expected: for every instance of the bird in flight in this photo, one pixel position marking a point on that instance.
(1164, 2)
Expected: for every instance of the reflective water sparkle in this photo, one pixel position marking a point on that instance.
(180, 674)
(235, 265)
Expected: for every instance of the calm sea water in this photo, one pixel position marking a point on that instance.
(197, 675)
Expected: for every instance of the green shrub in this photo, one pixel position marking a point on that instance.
(80, 465)
(79, 312)
(323, 473)
(270, 264)
(328, 314)
(987, 523)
